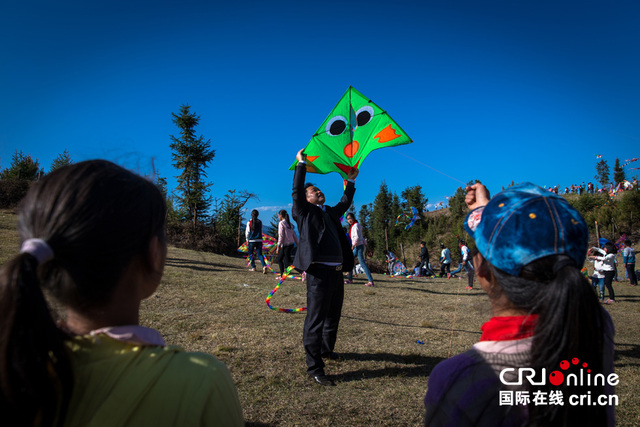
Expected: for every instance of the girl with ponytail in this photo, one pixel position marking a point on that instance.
(253, 234)
(287, 240)
(94, 242)
(546, 320)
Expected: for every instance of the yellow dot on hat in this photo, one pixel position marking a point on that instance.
(501, 205)
(532, 215)
(574, 222)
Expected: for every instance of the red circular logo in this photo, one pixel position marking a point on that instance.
(556, 378)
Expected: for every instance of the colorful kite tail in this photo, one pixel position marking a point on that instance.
(284, 310)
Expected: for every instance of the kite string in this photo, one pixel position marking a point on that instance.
(424, 164)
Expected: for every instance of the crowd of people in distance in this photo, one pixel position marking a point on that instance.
(591, 188)
(93, 237)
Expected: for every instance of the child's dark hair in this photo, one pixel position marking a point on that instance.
(253, 224)
(352, 215)
(571, 324)
(610, 248)
(283, 213)
(97, 218)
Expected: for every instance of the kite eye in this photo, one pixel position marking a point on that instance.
(364, 115)
(336, 125)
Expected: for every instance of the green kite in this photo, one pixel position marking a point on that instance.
(354, 128)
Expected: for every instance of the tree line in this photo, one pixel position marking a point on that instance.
(199, 221)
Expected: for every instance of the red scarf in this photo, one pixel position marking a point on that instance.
(352, 225)
(509, 328)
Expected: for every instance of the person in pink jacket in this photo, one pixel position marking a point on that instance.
(358, 245)
(286, 240)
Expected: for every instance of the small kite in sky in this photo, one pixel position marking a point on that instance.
(354, 128)
(412, 219)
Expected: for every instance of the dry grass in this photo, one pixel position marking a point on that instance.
(213, 304)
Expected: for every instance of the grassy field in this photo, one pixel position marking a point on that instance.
(213, 304)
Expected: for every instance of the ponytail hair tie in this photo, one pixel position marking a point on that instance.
(564, 262)
(38, 248)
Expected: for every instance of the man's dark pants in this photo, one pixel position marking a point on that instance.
(631, 272)
(325, 293)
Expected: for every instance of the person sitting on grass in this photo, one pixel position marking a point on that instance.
(391, 260)
(531, 246)
(93, 239)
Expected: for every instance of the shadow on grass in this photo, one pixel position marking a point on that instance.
(409, 326)
(627, 298)
(417, 366)
(473, 292)
(193, 265)
(257, 424)
(631, 351)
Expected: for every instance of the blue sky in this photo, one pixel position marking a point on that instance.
(492, 90)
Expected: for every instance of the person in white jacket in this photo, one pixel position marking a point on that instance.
(253, 234)
(608, 269)
(598, 272)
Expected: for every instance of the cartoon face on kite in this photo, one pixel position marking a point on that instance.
(354, 128)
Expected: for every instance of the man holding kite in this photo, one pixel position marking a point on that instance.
(354, 128)
(324, 253)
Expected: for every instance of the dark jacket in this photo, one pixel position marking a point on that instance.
(311, 224)
(424, 254)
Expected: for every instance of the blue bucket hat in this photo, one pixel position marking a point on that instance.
(524, 223)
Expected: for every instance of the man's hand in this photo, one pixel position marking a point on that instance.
(353, 173)
(301, 157)
(477, 196)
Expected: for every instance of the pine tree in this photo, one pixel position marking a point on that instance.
(381, 219)
(618, 173)
(272, 230)
(227, 220)
(602, 172)
(364, 218)
(413, 197)
(23, 167)
(191, 154)
(63, 159)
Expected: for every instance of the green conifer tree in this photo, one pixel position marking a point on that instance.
(618, 173)
(602, 172)
(191, 155)
(63, 159)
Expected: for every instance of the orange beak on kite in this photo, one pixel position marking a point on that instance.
(387, 134)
